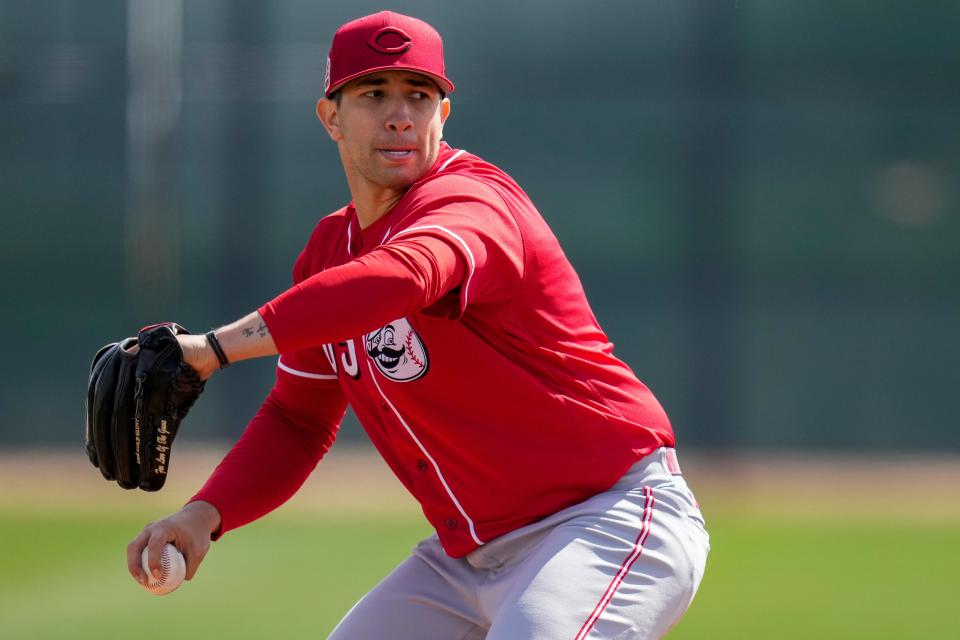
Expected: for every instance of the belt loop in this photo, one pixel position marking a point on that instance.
(670, 461)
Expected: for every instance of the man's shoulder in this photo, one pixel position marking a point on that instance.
(452, 185)
(334, 223)
(328, 233)
(338, 217)
(469, 175)
(463, 176)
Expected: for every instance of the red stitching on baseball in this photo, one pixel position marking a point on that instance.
(164, 569)
(412, 355)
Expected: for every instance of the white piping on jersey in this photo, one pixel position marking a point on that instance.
(449, 160)
(436, 467)
(473, 262)
(349, 238)
(386, 235)
(304, 374)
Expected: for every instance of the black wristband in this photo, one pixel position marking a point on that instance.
(217, 349)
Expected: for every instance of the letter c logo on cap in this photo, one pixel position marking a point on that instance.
(390, 40)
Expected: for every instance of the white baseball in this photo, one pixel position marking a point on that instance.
(172, 566)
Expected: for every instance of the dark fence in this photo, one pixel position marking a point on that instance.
(761, 197)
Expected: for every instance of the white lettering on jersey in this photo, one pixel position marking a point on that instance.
(349, 359)
(331, 356)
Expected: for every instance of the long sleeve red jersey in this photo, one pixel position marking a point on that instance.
(461, 336)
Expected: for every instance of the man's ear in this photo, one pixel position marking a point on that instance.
(444, 113)
(444, 110)
(329, 116)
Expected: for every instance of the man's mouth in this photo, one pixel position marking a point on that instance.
(398, 154)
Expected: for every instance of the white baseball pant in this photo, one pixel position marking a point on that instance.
(623, 564)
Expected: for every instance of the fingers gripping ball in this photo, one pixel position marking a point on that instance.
(138, 392)
(173, 570)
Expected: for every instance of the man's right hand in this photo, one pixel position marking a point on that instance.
(189, 530)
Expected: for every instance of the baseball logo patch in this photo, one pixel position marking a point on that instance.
(397, 351)
(390, 41)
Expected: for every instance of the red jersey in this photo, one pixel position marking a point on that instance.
(460, 334)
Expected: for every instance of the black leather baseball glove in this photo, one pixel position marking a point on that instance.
(136, 399)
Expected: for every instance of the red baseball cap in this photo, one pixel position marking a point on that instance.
(384, 41)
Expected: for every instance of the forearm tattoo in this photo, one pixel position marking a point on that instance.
(260, 331)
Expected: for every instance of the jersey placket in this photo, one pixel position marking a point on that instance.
(451, 524)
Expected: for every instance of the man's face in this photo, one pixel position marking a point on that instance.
(388, 126)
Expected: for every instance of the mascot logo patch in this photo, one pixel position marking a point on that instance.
(397, 351)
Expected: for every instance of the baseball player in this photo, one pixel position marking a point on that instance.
(440, 306)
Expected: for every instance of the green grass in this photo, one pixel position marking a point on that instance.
(294, 576)
(866, 579)
(67, 578)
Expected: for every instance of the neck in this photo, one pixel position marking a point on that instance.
(371, 201)
(373, 204)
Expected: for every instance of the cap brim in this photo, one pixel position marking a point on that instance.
(445, 85)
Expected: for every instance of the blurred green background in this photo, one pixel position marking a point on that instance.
(761, 198)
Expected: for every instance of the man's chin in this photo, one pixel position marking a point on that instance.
(401, 179)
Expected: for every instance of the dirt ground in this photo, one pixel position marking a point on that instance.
(831, 485)
(356, 480)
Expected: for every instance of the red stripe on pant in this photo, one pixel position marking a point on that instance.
(624, 568)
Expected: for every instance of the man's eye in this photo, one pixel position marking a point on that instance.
(420, 95)
(376, 93)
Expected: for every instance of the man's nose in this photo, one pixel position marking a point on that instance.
(399, 120)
